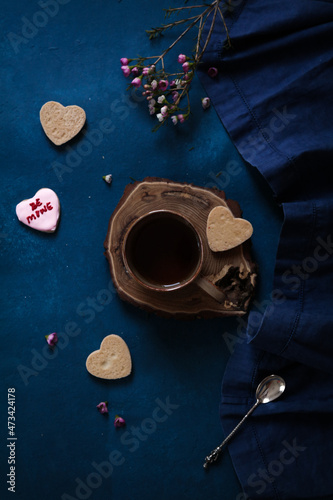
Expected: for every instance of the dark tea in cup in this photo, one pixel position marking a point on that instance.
(163, 251)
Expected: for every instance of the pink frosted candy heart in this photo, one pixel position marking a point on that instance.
(40, 212)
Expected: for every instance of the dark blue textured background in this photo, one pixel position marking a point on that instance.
(50, 281)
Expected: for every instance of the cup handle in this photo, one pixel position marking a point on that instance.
(212, 290)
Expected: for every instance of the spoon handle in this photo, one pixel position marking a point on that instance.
(217, 451)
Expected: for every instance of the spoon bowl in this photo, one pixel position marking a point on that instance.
(270, 389)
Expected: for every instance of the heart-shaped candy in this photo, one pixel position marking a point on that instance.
(40, 212)
(61, 124)
(224, 231)
(112, 360)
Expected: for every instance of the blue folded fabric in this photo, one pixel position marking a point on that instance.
(274, 95)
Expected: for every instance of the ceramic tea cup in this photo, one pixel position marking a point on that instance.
(163, 252)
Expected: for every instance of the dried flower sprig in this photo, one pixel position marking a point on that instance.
(165, 91)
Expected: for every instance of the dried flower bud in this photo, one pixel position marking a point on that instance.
(212, 72)
(182, 58)
(175, 95)
(205, 102)
(136, 82)
(126, 70)
(186, 66)
(119, 421)
(107, 178)
(52, 339)
(163, 84)
(103, 407)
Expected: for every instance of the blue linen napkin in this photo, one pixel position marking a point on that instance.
(274, 95)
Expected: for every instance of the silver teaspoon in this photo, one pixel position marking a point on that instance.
(269, 389)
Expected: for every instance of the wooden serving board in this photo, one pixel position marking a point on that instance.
(232, 271)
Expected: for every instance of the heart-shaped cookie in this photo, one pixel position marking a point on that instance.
(112, 360)
(61, 124)
(224, 231)
(40, 212)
